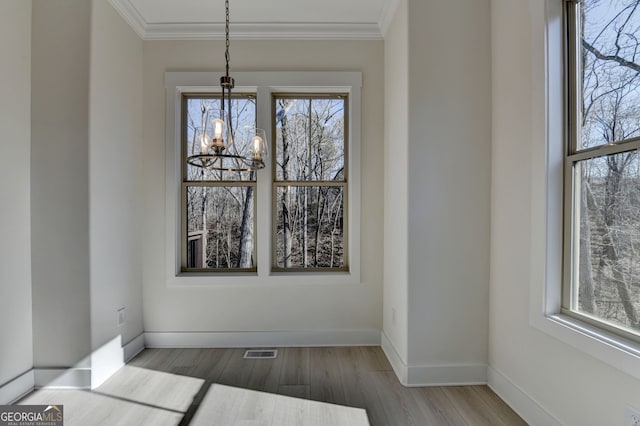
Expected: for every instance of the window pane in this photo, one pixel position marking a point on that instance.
(310, 139)
(610, 71)
(608, 225)
(220, 227)
(309, 227)
(199, 111)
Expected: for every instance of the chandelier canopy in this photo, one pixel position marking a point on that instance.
(219, 148)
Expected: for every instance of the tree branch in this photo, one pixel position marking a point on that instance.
(615, 58)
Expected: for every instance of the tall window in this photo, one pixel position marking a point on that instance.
(602, 168)
(218, 207)
(310, 182)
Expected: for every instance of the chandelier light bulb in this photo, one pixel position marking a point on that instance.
(257, 147)
(218, 127)
(204, 143)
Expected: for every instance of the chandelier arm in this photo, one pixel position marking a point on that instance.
(229, 118)
(216, 162)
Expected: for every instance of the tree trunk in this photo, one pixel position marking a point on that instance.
(218, 244)
(205, 229)
(286, 197)
(586, 296)
(245, 250)
(305, 225)
(333, 232)
(228, 247)
(320, 202)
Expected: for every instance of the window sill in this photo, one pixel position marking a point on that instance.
(186, 274)
(613, 350)
(204, 279)
(308, 273)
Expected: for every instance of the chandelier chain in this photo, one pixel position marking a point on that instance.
(226, 30)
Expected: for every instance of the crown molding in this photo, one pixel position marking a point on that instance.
(263, 30)
(131, 15)
(246, 30)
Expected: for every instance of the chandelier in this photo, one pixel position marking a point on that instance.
(219, 148)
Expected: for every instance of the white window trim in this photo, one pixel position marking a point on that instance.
(547, 158)
(263, 84)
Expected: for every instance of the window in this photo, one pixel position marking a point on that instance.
(218, 207)
(221, 228)
(310, 182)
(601, 284)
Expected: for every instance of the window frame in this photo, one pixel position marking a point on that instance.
(263, 84)
(186, 183)
(344, 184)
(573, 155)
(547, 158)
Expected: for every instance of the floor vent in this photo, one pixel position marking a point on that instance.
(261, 354)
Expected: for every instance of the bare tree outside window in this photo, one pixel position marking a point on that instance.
(603, 157)
(218, 206)
(310, 182)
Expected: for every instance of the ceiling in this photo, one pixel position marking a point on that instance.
(258, 19)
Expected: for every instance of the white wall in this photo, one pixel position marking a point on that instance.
(396, 60)
(438, 142)
(272, 307)
(571, 386)
(115, 134)
(16, 355)
(115, 141)
(60, 181)
(449, 181)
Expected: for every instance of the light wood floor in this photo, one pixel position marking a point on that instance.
(167, 386)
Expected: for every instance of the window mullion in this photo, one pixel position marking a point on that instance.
(605, 150)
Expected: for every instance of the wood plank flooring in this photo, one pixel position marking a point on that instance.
(167, 387)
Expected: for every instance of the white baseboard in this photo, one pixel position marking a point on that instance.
(522, 403)
(92, 371)
(447, 375)
(133, 348)
(106, 360)
(363, 337)
(62, 378)
(16, 388)
(433, 375)
(397, 363)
